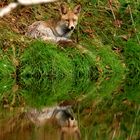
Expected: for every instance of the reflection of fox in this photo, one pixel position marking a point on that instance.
(70, 129)
(56, 30)
(61, 116)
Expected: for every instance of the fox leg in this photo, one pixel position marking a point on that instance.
(55, 39)
(78, 134)
(63, 39)
(62, 135)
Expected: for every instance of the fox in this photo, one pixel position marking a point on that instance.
(56, 29)
(61, 116)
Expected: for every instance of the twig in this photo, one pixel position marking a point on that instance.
(5, 10)
(132, 130)
(110, 5)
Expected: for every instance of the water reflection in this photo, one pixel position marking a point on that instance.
(47, 123)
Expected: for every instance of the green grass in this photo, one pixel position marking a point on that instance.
(132, 85)
(49, 68)
(6, 71)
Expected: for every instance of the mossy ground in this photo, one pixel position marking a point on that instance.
(99, 74)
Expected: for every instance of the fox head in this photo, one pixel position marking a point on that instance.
(70, 16)
(71, 129)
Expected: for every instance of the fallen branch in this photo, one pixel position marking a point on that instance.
(5, 10)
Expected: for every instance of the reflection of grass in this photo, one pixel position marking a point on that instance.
(111, 119)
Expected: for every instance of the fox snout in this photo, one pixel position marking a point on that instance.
(71, 25)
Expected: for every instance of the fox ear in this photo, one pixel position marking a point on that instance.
(63, 9)
(77, 9)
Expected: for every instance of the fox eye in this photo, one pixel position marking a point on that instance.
(67, 20)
